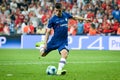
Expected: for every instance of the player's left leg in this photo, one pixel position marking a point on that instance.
(64, 54)
(40, 46)
(45, 49)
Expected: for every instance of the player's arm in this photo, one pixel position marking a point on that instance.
(48, 30)
(47, 36)
(80, 18)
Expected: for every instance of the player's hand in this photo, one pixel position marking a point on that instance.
(88, 19)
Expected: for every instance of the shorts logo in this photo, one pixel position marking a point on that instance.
(66, 47)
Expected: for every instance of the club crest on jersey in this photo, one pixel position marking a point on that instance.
(66, 19)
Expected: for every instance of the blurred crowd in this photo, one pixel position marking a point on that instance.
(31, 16)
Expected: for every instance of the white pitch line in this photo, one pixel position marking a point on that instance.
(39, 63)
(9, 75)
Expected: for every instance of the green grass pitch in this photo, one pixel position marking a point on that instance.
(25, 64)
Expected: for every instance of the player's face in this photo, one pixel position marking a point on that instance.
(58, 12)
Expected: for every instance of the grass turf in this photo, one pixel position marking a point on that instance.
(25, 64)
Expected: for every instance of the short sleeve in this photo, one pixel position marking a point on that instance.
(50, 23)
(68, 15)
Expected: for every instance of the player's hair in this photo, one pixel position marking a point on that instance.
(58, 5)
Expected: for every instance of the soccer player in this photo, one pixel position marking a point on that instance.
(59, 40)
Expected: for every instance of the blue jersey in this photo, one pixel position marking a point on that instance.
(60, 38)
(60, 26)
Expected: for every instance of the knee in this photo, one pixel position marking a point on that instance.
(64, 55)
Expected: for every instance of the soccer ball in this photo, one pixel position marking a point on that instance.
(51, 70)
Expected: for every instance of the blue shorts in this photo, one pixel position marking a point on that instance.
(53, 46)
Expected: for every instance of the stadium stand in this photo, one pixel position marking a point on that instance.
(31, 16)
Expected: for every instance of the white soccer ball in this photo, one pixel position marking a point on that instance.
(51, 70)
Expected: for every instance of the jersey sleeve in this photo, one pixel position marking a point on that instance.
(50, 23)
(68, 15)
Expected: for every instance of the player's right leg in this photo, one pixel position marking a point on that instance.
(61, 72)
(64, 54)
